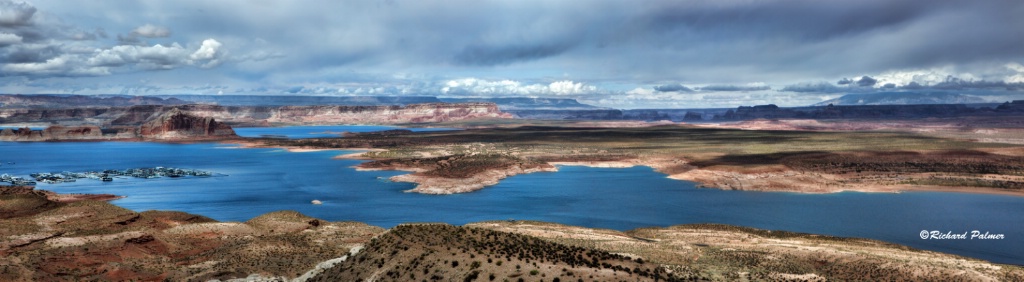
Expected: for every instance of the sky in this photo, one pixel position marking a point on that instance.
(622, 54)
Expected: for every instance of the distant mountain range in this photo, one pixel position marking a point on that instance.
(903, 98)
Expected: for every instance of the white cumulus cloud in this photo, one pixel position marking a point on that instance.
(208, 54)
(483, 87)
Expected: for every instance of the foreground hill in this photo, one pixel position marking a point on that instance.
(444, 252)
(43, 239)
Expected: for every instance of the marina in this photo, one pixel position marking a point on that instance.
(105, 175)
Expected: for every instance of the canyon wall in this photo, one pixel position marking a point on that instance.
(172, 125)
(52, 133)
(260, 115)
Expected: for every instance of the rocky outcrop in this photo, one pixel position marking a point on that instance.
(73, 132)
(176, 124)
(52, 133)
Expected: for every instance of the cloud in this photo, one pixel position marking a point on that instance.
(954, 83)
(7, 39)
(52, 61)
(913, 85)
(735, 88)
(844, 81)
(1018, 75)
(151, 31)
(675, 87)
(866, 81)
(159, 56)
(64, 65)
(481, 87)
(208, 55)
(820, 87)
(500, 55)
(29, 53)
(15, 14)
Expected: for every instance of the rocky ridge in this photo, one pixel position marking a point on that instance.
(171, 125)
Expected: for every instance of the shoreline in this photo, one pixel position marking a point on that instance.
(57, 197)
(249, 144)
(786, 181)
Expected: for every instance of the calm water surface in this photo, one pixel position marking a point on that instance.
(257, 181)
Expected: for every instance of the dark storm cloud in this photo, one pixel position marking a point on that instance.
(29, 53)
(15, 14)
(676, 87)
(866, 81)
(498, 55)
(834, 37)
(844, 81)
(803, 20)
(953, 83)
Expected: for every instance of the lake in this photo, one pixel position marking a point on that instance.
(259, 180)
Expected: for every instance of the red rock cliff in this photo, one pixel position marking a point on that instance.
(176, 124)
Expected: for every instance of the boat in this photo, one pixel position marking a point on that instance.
(107, 179)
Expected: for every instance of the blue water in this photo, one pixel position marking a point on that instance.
(258, 181)
(317, 131)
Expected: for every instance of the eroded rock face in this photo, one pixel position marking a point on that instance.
(172, 125)
(176, 124)
(417, 113)
(52, 133)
